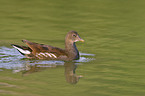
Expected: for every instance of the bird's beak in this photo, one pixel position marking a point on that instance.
(82, 40)
(79, 39)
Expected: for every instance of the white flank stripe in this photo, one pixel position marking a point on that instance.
(53, 55)
(43, 54)
(48, 54)
(37, 56)
(23, 51)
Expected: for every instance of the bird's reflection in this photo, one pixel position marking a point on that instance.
(70, 74)
(35, 68)
(69, 70)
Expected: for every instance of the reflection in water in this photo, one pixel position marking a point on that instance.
(35, 68)
(10, 58)
(69, 71)
(70, 75)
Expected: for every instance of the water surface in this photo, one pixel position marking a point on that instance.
(114, 34)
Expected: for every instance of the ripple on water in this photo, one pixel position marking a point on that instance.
(10, 58)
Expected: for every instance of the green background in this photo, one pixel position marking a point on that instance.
(113, 30)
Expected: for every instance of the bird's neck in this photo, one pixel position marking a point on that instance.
(71, 50)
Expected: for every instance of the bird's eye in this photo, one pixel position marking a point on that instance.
(74, 35)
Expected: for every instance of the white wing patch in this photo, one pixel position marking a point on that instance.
(40, 55)
(21, 50)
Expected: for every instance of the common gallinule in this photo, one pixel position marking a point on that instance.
(41, 51)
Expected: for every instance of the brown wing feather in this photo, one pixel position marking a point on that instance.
(37, 48)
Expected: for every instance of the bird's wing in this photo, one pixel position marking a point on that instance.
(44, 50)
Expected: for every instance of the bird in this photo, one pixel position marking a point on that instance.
(47, 52)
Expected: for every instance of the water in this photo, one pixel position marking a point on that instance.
(112, 56)
(10, 58)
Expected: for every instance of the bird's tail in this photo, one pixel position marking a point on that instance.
(22, 49)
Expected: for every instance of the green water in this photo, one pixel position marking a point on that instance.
(113, 30)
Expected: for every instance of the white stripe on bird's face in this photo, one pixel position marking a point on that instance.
(40, 55)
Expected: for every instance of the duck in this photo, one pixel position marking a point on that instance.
(47, 52)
